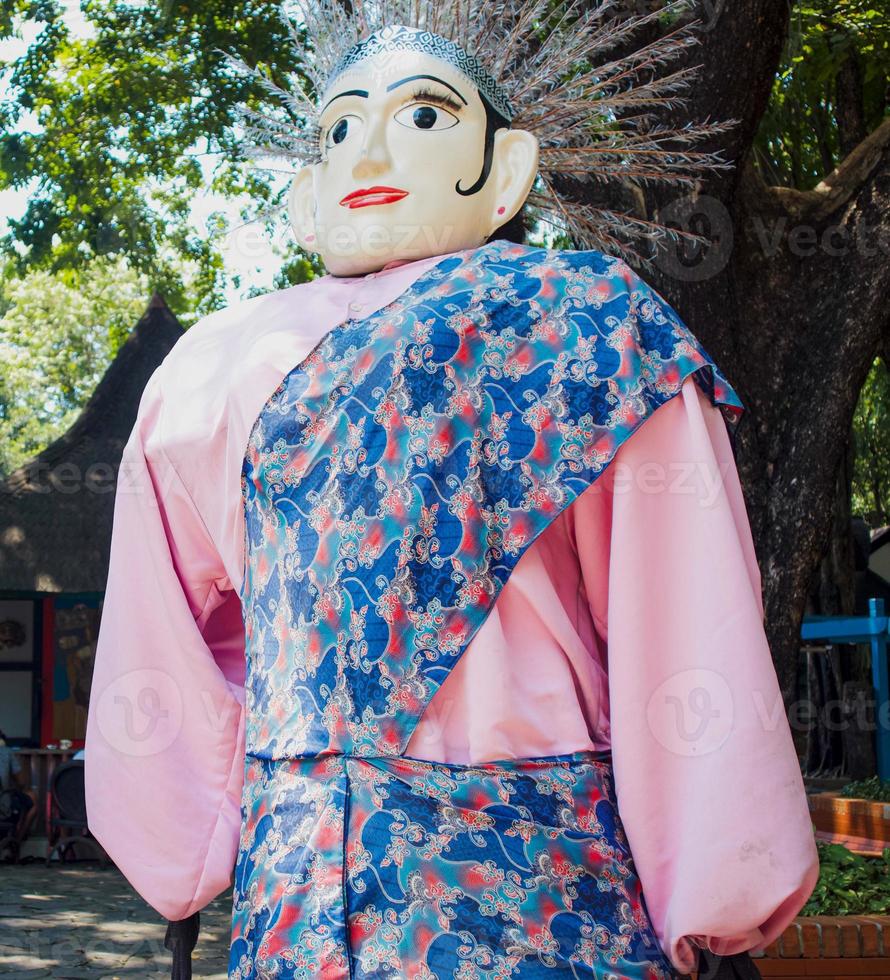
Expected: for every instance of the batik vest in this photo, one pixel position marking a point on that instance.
(391, 483)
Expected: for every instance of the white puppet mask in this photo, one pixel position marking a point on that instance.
(520, 90)
(413, 163)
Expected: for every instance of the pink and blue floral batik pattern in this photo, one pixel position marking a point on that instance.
(369, 867)
(391, 483)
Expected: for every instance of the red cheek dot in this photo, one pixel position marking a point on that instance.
(501, 210)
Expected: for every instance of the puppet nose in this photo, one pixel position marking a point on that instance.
(368, 166)
(374, 159)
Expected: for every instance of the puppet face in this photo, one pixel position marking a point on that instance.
(404, 173)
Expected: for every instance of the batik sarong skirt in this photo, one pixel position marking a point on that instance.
(395, 867)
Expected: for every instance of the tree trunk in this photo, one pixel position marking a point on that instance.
(849, 111)
(835, 594)
(838, 679)
(791, 301)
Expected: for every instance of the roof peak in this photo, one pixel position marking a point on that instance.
(157, 302)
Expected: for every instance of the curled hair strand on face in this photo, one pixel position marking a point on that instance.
(493, 122)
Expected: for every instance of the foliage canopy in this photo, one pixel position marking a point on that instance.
(116, 129)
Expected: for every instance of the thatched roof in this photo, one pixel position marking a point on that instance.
(56, 510)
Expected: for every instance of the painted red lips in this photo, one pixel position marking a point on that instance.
(364, 197)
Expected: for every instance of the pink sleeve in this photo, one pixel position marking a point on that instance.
(709, 786)
(164, 746)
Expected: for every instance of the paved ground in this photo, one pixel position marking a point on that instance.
(81, 922)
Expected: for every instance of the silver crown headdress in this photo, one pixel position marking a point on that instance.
(544, 70)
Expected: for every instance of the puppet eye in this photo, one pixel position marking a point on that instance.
(344, 128)
(419, 115)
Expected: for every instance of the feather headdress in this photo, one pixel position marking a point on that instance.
(549, 69)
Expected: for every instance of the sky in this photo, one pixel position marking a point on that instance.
(247, 249)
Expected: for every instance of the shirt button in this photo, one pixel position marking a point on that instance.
(356, 307)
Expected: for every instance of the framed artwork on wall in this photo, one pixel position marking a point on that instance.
(75, 628)
(20, 662)
(17, 640)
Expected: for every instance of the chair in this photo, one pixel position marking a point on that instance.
(873, 629)
(68, 811)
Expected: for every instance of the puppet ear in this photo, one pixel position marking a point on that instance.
(301, 209)
(514, 167)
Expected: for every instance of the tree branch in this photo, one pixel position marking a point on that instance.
(836, 189)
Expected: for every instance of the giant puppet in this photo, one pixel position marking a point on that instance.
(433, 619)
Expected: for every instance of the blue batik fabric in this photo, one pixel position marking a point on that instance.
(391, 483)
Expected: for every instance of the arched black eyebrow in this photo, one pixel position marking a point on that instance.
(361, 93)
(432, 78)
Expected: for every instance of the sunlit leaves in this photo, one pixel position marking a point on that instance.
(798, 140)
(58, 334)
(871, 434)
(134, 120)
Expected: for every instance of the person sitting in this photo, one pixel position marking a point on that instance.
(23, 799)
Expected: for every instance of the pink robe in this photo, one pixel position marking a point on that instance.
(634, 621)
